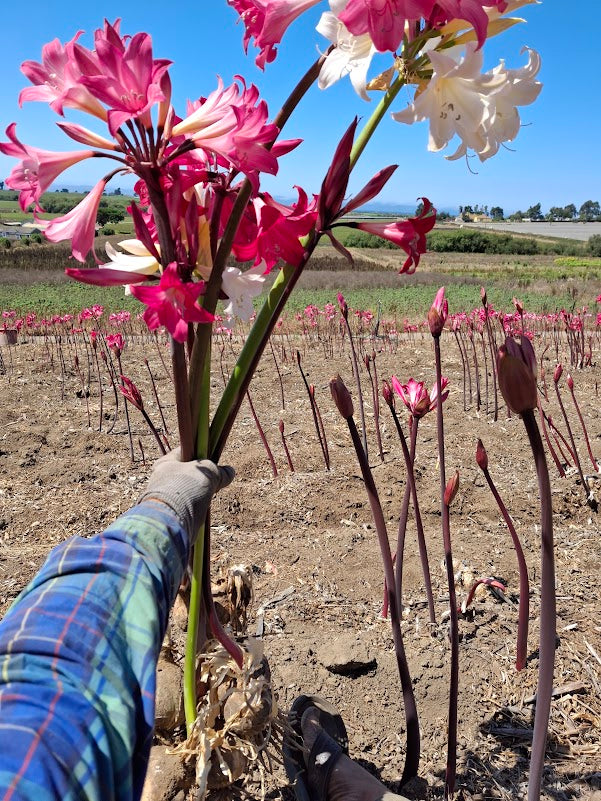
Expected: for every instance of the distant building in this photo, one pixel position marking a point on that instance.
(15, 230)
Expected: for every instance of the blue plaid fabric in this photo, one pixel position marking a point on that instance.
(78, 652)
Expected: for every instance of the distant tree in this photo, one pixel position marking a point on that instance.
(556, 213)
(590, 210)
(442, 216)
(460, 209)
(2, 185)
(594, 245)
(109, 215)
(496, 213)
(64, 190)
(534, 213)
(517, 216)
(570, 211)
(117, 191)
(468, 210)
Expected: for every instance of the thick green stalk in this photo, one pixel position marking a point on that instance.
(197, 562)
(375, 119)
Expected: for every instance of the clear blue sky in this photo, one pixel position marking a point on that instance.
(557, 156)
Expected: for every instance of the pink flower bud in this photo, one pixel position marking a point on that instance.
(518, 306)
(439, 311)
(131, 392)
(570, 382)
(481, 456)
(557, 373)
(342, 305)
(516, 371)
(451, 489)
(342, 397)
(483, 297)
(281, 426)
(387, 393)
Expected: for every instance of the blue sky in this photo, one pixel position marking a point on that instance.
(556, 159)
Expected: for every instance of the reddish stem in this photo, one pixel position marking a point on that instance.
(546, 650)
(451, 768)
(524, 607)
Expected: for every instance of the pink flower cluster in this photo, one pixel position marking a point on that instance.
(266, 21)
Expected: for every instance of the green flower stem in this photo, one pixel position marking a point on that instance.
(192, 631)
(375, 119)
(197, 563)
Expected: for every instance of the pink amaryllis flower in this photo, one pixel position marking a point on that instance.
(266, 21)
(232, 123)
(416, 397)
(56, 80)
(122, 73)
(173, 303)
(408, 234)
(79, 225)
(37, 169)
(274, 233)
(385, 20)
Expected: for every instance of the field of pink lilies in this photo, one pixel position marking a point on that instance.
(87, 405)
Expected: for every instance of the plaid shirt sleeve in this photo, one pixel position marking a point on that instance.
(78, 652)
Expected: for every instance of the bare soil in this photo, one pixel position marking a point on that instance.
(310, 532)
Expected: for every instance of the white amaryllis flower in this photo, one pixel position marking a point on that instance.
(240, 288)
(136, 258)
(478, 107)
(351, 56)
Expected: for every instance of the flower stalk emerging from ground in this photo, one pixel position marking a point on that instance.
(344, 404)
(517, 369)
(524, 607)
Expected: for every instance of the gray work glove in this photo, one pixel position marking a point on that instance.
(186, 487)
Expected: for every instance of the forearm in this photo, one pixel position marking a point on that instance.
(78, 653)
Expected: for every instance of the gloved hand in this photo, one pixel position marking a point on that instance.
(186, 487)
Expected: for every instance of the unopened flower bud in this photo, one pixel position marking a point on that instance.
(481, 456)
(366, 361)
(312, 390)
(298, 357)
(131, 392)
(342, 305)
(557, 373)
(281, 426)
(451, 489)
(516, 371)
(483, 297)
(342, 397)
(439, 311)
(388, 394)
(570, 381)
(518, 306)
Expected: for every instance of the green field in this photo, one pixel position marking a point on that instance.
(31, 276)
(405, 301)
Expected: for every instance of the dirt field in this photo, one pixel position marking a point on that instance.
(309, 537)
